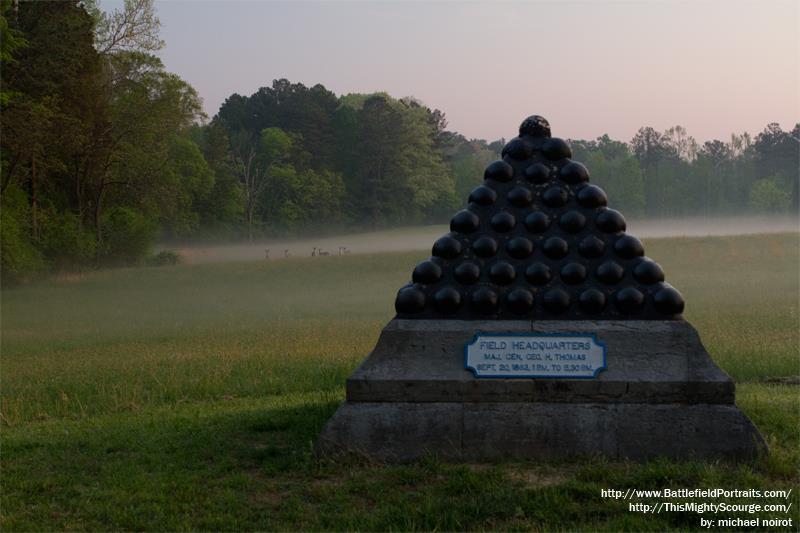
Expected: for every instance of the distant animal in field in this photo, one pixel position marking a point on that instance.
(266, 254)
(286, 252)
(343, 250)
(323, 253)
(314, 252)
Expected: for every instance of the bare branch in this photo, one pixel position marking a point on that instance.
(134, 29)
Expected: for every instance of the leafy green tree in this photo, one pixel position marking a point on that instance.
(19, 257)
(766, 196)
(614, 168)
(11, 40)
(190, 181)
(221, 210)
(257, 158)
(397, 162)
(86, 130)
(55, 79)
(777, 156)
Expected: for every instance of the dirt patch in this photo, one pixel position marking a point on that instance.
(538, 477)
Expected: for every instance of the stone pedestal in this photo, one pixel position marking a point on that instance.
(661, 395)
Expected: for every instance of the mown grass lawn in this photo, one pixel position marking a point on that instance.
(189, 397)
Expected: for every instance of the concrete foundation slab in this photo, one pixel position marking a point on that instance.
(470, 431)
(661, 395)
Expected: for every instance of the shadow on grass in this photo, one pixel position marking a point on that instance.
(248, 464)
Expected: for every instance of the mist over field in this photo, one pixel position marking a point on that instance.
(422, 238)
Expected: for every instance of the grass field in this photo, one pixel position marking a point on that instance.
(189, 397)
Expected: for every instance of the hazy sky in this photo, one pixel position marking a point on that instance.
(588, 67)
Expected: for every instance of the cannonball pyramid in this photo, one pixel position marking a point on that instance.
(537, 241)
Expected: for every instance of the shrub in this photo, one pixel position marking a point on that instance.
(127, 236)
(19, 257)
(63, 241)
(164, 258)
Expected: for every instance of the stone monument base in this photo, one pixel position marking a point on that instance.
(661, 395)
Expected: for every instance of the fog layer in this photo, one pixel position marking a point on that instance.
(422, 238)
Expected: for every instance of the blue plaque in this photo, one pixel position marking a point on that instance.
(535, 355)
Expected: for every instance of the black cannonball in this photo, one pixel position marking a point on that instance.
(556, 301)
(574, 173)
(592, 301)
(629, 300)
(537, 173)
(518, 149)
(520, 196)
(483, 195)
(465, 222)
(591, 246)
(610, 273)
(447, 247)
(535, 126)
(427, 272)
(669, 301)
(555, 197)
(520, 301)
(538, 274)
(499, 171)
(537, 222)
(484, 300)
(502, 273)
(503, 222)
(409, 300)
(572, 221)
(628, 247)
(592, 196)
(610, 221)
(519, 247)
(573, 273)
(467, 273)
(555, 149)
(485, 247)
(555, 247)
(648, 272)
(447, 300)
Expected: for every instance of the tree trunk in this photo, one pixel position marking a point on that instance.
(97, 212)
(250, 223)
(34, 202)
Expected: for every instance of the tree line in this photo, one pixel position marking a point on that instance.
(104, 152)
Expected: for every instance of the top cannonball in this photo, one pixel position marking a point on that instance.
(535, 126)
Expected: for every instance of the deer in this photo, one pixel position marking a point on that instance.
(286, 252)
(314, 252)
(323, 253)
(266, 254)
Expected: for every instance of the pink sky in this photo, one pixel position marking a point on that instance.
(714, 67)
